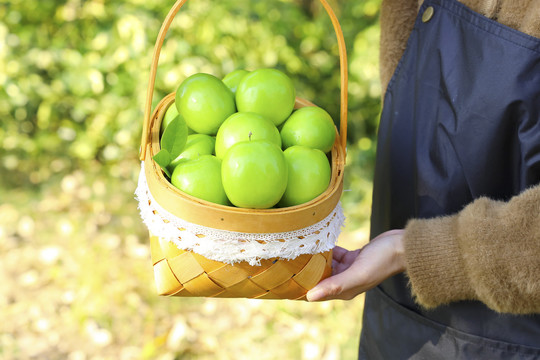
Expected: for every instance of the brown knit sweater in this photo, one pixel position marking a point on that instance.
(490, 251)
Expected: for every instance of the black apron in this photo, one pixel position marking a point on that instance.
(461, 119)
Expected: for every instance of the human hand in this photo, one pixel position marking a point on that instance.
(355, 272)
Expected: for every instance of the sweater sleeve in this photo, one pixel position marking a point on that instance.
(489, 251)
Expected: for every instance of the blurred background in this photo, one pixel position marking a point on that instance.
(76, 279)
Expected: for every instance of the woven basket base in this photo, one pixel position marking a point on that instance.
(185, 273)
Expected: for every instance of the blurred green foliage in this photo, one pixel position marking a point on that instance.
(73, 79)
(75, 73)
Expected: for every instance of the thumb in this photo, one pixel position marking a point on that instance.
(330, 288)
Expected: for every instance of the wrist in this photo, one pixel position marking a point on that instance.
(400, 264)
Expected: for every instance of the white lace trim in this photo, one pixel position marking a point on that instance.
(231, 247)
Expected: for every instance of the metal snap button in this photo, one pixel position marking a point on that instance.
(428, 14)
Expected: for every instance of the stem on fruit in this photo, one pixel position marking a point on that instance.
(250, 133)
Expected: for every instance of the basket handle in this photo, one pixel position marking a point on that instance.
(157, 50)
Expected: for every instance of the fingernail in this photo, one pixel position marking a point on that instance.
(315, 294)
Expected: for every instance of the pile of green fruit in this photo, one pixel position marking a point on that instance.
(239, 141)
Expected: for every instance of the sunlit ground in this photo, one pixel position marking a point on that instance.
(76, 283)
(76, 280)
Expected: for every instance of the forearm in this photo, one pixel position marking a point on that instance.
(490, 251)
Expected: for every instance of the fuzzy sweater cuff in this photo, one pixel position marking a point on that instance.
(435, 266)
(489, 251)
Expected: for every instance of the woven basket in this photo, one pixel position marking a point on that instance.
(185, 273)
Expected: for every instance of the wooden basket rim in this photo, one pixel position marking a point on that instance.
(230, 218)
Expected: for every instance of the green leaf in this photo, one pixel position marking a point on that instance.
(163, 159)
(174, 137)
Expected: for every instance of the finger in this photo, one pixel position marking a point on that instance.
(326, 290)
(318, 293)
(338, 267)
(335, 267)
(343, 285)
(338, 253)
